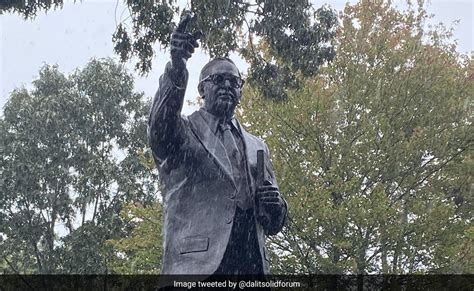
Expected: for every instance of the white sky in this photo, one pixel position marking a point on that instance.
(71, 36)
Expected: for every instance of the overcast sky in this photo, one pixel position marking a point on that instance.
(71, 36)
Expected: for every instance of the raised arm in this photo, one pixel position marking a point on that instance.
(166, 132)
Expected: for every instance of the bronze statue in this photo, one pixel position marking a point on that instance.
(216, 211)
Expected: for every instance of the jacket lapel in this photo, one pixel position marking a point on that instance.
(211, 143)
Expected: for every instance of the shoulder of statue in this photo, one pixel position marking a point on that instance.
(256, 139)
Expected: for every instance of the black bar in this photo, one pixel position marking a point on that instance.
(283, 282)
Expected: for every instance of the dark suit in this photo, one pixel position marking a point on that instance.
(198, 188)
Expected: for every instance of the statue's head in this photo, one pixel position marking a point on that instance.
(220, 84)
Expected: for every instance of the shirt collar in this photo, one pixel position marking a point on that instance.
(213, 121)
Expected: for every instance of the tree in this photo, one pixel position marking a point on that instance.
(72, 151)
(140, 251)
(298, 35)
(372, 153)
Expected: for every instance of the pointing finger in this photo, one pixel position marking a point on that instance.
(183, 22)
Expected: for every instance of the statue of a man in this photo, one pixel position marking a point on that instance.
(215, 213)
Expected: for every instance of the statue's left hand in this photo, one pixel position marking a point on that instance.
(270, 204)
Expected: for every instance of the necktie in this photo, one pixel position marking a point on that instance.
(230, 144)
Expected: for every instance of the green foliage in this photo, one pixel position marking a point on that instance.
(298, 36)
(29, 9)
(372, 154)
(152, 22)
(71, 156)
(296, 40)
(140, 252)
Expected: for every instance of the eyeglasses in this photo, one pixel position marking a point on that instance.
(219, 79)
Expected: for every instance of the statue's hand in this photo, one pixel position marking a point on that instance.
(270, 205)
(182, 44)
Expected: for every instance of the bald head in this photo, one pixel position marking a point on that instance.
(207, 68)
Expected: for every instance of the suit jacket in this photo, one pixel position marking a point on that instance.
(198, 189)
